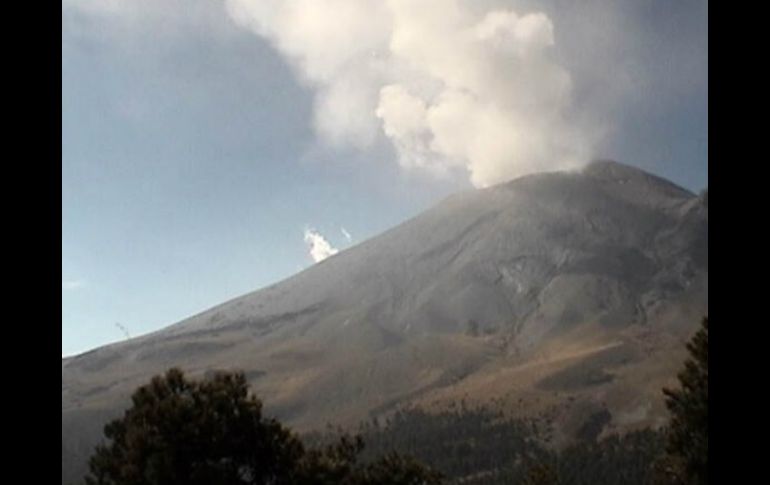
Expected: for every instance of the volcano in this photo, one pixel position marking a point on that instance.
(565, 292)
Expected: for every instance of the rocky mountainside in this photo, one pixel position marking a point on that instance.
(564, 293)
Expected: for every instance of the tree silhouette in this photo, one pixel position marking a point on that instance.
(687, 434)
(207, 432)
(212, 432)
(541, 474)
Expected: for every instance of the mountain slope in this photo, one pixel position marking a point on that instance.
(559, 292)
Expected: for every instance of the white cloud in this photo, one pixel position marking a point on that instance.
(452, 89)
(318, 247)
(553, 81)
(71, 285)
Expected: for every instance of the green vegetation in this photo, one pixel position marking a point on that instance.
(212, 432)
(688, 439)
(478, 447)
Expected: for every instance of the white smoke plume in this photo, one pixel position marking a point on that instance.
(318, 247)
(453, 89)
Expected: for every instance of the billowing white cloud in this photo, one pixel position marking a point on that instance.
(318, 247)
(454, 89)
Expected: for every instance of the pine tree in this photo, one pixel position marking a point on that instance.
(207, 432)
(541, 474)
(212, 432)
(687, 433)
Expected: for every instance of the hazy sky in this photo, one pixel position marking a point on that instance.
(212, 147)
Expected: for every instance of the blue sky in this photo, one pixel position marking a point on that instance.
(193, 158)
